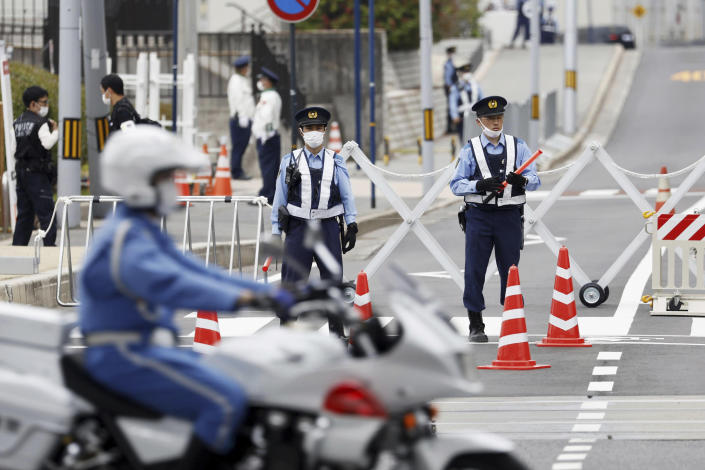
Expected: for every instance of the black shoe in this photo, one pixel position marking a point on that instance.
(242, 176)
(477, 328)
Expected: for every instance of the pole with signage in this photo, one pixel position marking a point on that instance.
(570, 49)
(426, 40)
(535, 115)
(358, 99)
(293, 12)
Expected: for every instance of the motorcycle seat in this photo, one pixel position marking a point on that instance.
(78, 380)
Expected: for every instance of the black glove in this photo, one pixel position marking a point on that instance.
(489, 184)
(280, 301)
(516, 180)
(350, 237)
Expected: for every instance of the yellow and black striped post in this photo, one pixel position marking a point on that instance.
(428, 124)
(72, 139)
(571, 79)
(102, 130)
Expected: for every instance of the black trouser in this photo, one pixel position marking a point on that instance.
(269, 153)
(34, 196)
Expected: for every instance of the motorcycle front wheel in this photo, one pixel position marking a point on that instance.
(489, 461)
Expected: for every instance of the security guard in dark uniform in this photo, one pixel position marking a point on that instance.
(313, 183)
(35, 135)
(492, 218)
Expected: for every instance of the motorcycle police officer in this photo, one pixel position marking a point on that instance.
(313, 183)
(492, 217)
(133, 279)
(265, 128)
(35, 135)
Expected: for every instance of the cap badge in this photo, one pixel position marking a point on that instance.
(312, 114)
(492, 104)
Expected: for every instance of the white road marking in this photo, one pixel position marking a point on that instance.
(609, 356)
(600, 386)
(577, 448)
(586, 428)
(576, 440)
(594, 405)
(242, 326)
(698, 327)
(604, 370)
(591, 415)
(565, 457)
(567, 466)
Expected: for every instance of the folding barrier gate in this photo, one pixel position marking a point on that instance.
(592, 293)
(186, 245)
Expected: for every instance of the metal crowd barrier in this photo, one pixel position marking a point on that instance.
(187, 239)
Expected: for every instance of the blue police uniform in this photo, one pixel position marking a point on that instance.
(463, 94)
(449, 77)
(265, 128)
(132, 280)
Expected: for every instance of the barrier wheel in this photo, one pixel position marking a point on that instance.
(606, 294)
(592, 295)
(349, 292)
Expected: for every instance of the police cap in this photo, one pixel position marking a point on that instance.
(465, 67)
(241, 61)
(490, 106)
(450, 50)
(312, 115)
(265, 72)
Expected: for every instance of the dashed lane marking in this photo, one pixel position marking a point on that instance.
(604, 370)
(698, 327)
(609, 356)
(600, 386)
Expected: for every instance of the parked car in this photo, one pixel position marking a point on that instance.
(608, 34)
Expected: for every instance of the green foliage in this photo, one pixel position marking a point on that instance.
(23, 76)
(399, 18)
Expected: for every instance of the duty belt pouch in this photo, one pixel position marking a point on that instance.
(283, 219)
(462, 218)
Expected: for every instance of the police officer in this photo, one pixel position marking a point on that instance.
(123, 114)
(313, 183)
(35, 135)
(449, 78)
(265, 128)
(485, 162)
(133, 280)
(463, 94)
(242, 110)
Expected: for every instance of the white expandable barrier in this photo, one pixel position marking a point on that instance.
(678, 274)
(186, 82)
(139, 82)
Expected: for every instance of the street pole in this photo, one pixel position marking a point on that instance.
(69, 159)
(426, 40)
(175, 65)
(570, 49)
(94, 53)
(358, 101)
(371, 42)
(535, 115)
(292, 83)
(591, 33)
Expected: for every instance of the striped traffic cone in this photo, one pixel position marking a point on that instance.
(335, 141)
(204, 177)
(222, 175)
(183, 183)
(362, 297)
(563, 330)
(664, 191)
(513, 352)
(207, 333)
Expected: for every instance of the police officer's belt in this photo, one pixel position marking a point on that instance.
(479, 198)
(157, 337)
(312, 214)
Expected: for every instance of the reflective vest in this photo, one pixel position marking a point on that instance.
(489, 166)
(317, 196)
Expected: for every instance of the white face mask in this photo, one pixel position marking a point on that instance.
(260, 87)
(313, 139)
(467, 77)
(490, 133)
(166, 197)
(106, 99)
(43, 111)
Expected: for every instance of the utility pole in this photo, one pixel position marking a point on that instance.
(371, 43)
(570, 50)
(535, 114)
(426, 40)
(358, 100)
(175, 66)
(69, 155)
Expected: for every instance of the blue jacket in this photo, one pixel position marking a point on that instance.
(152, 269)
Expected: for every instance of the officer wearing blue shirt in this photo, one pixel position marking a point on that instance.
(484, 163)
(464, 93)
(449, 78)
(313, 183)
(134, 278)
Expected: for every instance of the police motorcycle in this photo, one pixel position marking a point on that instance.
(315, 403)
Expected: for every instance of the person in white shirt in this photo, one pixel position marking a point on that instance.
(35, 135)
(265, 128)
(242, 110)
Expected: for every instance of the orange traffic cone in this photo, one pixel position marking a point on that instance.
(183, 184)
(563, 327)
(362, 297)
(664, 191)
(335, 141)
(513, 352)
(207, 333)
(222, 175)
(204, 178)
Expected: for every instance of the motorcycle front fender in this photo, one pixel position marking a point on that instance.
(436, 453)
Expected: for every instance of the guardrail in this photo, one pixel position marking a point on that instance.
(187, 240)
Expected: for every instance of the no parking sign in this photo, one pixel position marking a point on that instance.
(293, 11)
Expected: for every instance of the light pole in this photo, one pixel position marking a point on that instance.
(426, 39)
(570, 49)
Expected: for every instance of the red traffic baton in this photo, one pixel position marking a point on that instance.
(518, 171)
(267, 262)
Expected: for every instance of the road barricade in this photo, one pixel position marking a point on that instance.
(235, 260)
(678, 268)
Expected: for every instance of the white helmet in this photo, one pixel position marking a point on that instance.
(132, 158)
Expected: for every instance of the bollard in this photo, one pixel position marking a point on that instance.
(418, 145)
(386, 150)
(452, 149)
